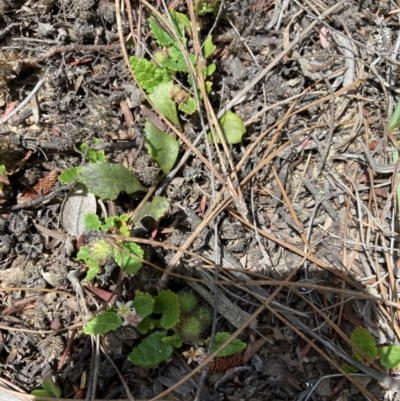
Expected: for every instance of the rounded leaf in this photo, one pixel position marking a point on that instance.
(161, 98)
(232, 128)
(125, 258)
(390, 356)
(103, 323)
(162, 148)
(167, 304)
(107, 180)
(143, 303)
(151, 351)
(365, 341)
(235, 347)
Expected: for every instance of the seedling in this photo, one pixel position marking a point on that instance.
(389, 356)
(49, 389)
(157, 77)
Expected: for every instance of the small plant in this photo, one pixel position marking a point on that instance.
(99, 250)
(389, 356)
(49, 389)
(157, 77)
(160, 318)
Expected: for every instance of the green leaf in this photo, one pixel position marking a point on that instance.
(162, 148)
(107, 180)
(92, 272)
(40, 393)
(178, 22)
(175, 341)
(365, 341)
(124, 258)
(183, 20)
(189, 107)
(235, 347)
(151, 351)
(157, 208)
(209, 47)
(161, 98)
(348, 369)
(208, 87)
(93, 156)
(103, 323)
(109, 222)
(210, 69)
(167, 303)
(390, 356)
(143, 303)
(232, 128)
(84, 254)
(51, 388)
(202, 7)
(146, 325)
(395, 119)
(91, 221)
(148, 74)
(162, 37)
(68, 175)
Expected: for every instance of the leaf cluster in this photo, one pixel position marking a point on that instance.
(126, 255)
(162, 318)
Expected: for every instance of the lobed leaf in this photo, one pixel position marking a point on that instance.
(189, 107)
(91, 221)
(148, 74)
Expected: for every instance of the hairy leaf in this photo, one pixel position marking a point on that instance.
(365, 341)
